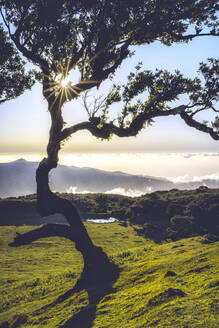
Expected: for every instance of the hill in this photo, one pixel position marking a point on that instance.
(160, 215)
(18, 179)
(171, 285)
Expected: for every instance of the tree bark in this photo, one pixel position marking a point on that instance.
(49, 203)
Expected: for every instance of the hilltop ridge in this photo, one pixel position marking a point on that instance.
(160, 215)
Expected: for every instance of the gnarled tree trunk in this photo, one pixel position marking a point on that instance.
(97, 267)
(49, 203)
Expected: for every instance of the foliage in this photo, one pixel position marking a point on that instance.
(143, 296)
(95, 38)
(182, 213)
(163, 214)
(162, 88)
(182, 225)
(14, 80)
(153, 231)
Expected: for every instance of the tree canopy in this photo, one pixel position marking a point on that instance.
(14, 80)
(96, 37)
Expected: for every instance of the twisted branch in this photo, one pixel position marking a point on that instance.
(48, 230)
(107, 129)
(199, 126)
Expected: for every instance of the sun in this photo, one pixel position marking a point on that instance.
(64, 82)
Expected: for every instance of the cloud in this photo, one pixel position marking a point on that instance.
(117, 191)
(211, 154)
(129, 192)
(181, 179)
(214, 176)
(189, 155)
(73, 190)
(182, 182)
(186, 178)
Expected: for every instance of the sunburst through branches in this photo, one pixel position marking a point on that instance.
(61, 88)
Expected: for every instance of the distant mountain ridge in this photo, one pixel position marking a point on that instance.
(18, 178)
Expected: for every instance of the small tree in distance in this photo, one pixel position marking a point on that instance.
(95, 37)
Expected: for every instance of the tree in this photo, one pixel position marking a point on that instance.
(95, 37)
(13, 78)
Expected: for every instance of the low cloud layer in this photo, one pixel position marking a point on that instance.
(117, 191)
(186, 178)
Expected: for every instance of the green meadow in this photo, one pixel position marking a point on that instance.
(173, 284)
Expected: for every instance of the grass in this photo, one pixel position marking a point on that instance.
(32, 277)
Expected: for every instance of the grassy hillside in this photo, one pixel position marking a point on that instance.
(173, 284)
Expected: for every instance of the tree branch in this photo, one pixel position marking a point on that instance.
(73, 61)
(107, 129)
(48, 230)
(198, 111)
(5, 22)
(192, 36)
(123, 54)
(199, 126)
(30, 55)
(74, 91)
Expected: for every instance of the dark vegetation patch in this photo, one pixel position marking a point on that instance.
(214, 284)
(161, 215)
(16, 322)
(167, 296)
(214, 307)
(170, 274)
(198, 270)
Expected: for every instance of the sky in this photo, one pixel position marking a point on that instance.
(169, 148)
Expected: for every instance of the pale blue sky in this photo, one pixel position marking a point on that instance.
(24, 122)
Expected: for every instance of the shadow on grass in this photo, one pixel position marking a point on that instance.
(97, 280)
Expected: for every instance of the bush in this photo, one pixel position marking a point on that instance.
(182, 221)
(174, 209)
(182, 226)
(154, 232)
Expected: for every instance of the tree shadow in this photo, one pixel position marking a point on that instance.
(97, 280)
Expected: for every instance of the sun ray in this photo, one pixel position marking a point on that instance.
(76, 87)
(74, 91)
(56, 98)
(49, 89)
(60, 98)
(60, 86)
(51, 94)
(56, 66)
(89, 82)
(52, 82)
(67, 68)
(66, 93)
